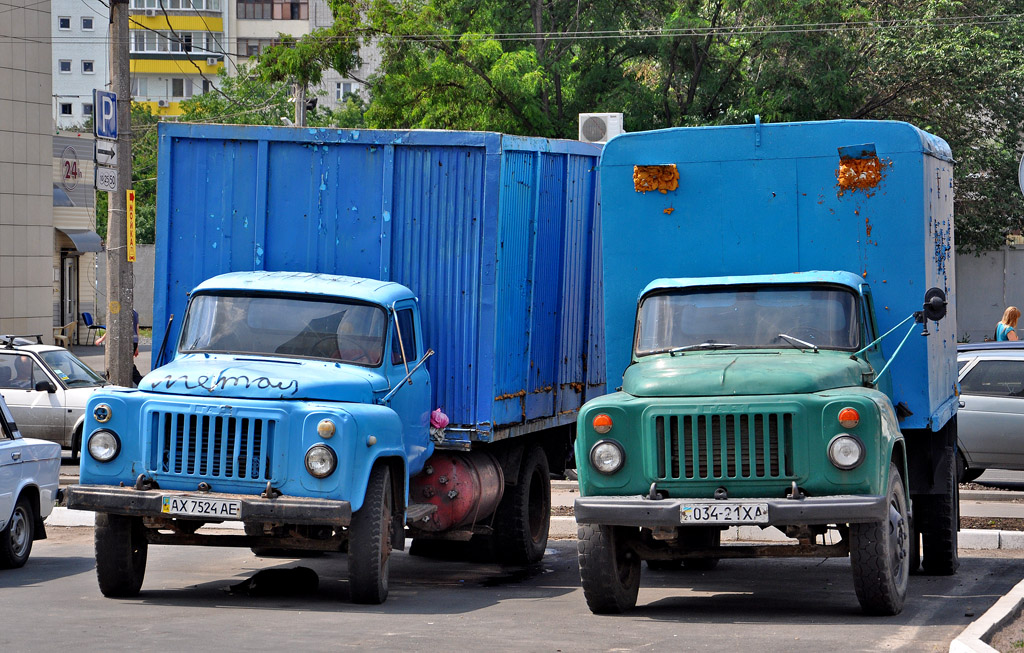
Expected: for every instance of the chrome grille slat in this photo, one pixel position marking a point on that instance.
(756, 445)
(213, 447)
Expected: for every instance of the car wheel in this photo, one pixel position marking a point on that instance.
(16, 538)
(76, 447)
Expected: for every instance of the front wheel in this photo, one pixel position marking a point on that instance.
(121, 553)
(609, 568)
(879, 555)
(16, 538)
(369, 548)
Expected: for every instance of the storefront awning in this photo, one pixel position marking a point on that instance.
(84, 239)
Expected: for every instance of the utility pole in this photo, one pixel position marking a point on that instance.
(119, 350)
(300, 104)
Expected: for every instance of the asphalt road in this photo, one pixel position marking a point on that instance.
(53, 603)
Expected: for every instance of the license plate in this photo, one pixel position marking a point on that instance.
(714, 512)
(199, 507)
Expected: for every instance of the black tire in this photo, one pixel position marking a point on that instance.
(523, 517)
(914, 549)
(703, 538)
(939, 542)
(964, 473)
(16, 538)
(609, 568)
(878, 555)
(369, 548)
(121, 553)
(76, 447)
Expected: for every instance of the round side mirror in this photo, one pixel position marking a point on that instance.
(935, 304)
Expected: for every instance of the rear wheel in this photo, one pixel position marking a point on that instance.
(16, 538)
(369, 550)
(939, 542)
(879, 555)
(609, 568)
(121, 553)
(523, 517)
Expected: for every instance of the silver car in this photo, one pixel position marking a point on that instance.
(991, 415)
(46, 389)
(29, 473)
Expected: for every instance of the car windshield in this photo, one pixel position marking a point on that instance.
(281, 325)
(775, 316)
(69, 369)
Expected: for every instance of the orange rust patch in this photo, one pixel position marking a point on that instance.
(521, 393)
(661, 178)
(668, 211)
(859, 174)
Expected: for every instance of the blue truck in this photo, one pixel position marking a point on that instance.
(361, 337)
(766, 290)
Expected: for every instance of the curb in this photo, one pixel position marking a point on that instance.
(1005, 610)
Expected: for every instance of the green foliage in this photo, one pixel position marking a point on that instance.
(144, 142)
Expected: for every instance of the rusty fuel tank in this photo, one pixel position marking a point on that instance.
(465, 486)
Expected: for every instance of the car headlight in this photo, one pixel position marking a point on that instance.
(607, 456)
(845, 451)
(102, 413)
(104, 445)
(321, 461)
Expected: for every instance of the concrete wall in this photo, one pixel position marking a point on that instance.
(985, 286)
(145, 260)
(26, 189)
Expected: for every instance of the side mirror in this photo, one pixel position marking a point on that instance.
(45, 386)
(934, 304)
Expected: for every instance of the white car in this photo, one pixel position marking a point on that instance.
(29, 473)
(46, 389)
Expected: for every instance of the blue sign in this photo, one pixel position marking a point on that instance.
(105, 113)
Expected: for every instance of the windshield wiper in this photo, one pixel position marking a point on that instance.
(704, 345)
(797, 341)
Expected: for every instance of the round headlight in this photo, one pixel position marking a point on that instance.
(607, 456)
(845, 451)
(104, 445)
(602, 423)
(325, 429)
(320, 461)
(102, 413)
(849, 418)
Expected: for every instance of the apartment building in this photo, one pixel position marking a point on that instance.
(335, 86)
(81, 53)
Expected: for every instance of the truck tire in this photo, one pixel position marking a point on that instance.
(878, 555)
(121, 553)
(703, 538)
(16, 538)
(369, 547)
(939, 542)
(609, 568)
(523, 517)
(914, 549)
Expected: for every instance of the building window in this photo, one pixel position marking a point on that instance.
(342, 89)
(254, 47)
(88, 68)
(65, 65)
(65, 109)
(289, 10)
(87, 23)
(64, 22)
(140, 86)
(168, 41)
(87, 110)
(177, 5)
(181, 87)
(254, 9)
(207, 86)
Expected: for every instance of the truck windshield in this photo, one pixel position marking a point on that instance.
(751, 316)
(278, 325)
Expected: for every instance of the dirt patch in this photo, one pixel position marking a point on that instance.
(562, 511)
(992, 523)
(1011, 637)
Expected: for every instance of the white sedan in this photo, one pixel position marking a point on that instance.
(46, 389)
(29, 473)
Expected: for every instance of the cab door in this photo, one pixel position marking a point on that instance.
(412, 401)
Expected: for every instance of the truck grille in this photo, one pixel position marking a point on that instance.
(212, 446)
(745, 445)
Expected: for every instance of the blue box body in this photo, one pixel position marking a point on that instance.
(764, 199)
(496, 234)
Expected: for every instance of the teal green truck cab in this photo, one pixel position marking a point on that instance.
(761, 388)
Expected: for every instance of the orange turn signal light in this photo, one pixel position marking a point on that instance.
(849, 418)
(602, 423)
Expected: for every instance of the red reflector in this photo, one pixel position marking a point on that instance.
(602, 423)
(849, 418)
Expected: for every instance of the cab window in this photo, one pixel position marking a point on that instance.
(407, 341)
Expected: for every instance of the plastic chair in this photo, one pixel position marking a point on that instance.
(62, 335)
(91, 325)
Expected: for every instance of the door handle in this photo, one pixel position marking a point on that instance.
(16, 455)
(963, 405)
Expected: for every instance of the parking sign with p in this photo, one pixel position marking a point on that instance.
(105, 117)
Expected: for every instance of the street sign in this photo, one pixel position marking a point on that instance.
(105, 118)
(130, 196)
(105, 154)
(106, 179)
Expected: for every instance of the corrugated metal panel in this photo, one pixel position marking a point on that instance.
(497, 243)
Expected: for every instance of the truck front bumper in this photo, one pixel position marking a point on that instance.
(641, 511)
(149, 503)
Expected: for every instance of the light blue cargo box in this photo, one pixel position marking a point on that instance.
(765, 199)
(496, 234)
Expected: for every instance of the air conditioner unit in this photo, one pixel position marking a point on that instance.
(212, 61)
(599, 127)
(151, 12)
(163, 103)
